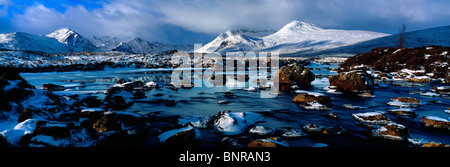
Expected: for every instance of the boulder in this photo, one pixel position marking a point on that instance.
(371, 119)
(108, 122)
(392, 131)
(441, 89)
(435, 122)
(293, 74)
(313, 127)
(293, 133)
(229, 142)
(312, 101)
(92, 113)
(332, 130)
(261, 130)
(52, 87)
(404, 102)
(234, 123)
(269, 142)
(180, 137)
(13, 88)
(357, 81)
(434, 144)
(25, 114)
(119, 98)
(403, 112)
(60, 134)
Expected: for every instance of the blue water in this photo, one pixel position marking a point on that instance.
(278, 112)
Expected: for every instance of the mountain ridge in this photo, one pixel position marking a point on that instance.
(294, 37)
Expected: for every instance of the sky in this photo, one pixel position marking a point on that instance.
(200, 21)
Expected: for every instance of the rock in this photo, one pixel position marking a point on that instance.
(392, 131)
(357, 81)
(312, 102)
(407, 100)
(441, 89)
(92, 113)
(52, 87)
(119, 98)
(404, 102)
(151, 84)
(198, 121)
(313, 127)
(333, 115)
(229, 142)
(25, 114)
(180, 137)
(234, 123)
(370, 119)
(269, 142)
(435, 122)
(261, 130)
(293, 133)
(434, 144)
(60, 134)
(293, 74)
(228, 94)
(108, 122)
(332, 130)
(13, 88)
(403, 112)
(352, 107)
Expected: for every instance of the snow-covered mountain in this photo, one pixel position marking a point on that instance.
(138, 45)
(294, 37)
(24, 41)
(73, 39)
(426, 37)
(105, 43)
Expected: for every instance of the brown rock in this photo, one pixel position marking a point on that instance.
(434, 144)
(403, 112)
(304, 98)
(108, 122)
(357, 81)
(392, 131)
(370, 119)
(269, 142)
(293, 74)
(435, 122)
(407, 100)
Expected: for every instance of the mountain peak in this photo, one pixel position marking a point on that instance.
(300, 26)
(65, 35)
(69, 37)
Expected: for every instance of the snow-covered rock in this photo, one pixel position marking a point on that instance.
(234, 123)
(370, 119)
(269, 142)
(198, 121)
(178, 136)
(261, 130)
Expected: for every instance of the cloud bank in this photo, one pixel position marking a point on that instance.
(156, 20)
